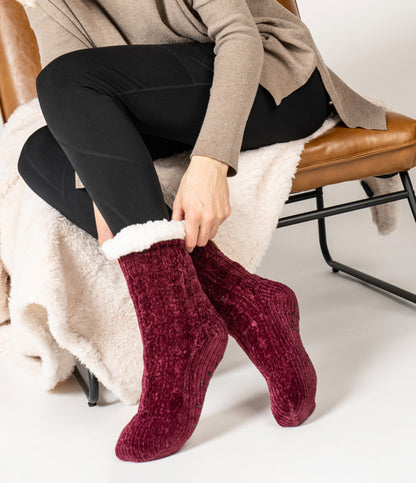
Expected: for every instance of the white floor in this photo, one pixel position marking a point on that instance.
(362, 344)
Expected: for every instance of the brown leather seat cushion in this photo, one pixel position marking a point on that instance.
(343, 154)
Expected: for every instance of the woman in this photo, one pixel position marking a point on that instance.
(214, 76)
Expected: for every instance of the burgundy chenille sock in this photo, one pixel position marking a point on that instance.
(263, 316)
(183, 337)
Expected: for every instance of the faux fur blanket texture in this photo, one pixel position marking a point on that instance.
(62, 300)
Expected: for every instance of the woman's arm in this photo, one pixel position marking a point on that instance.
(203, 196)
(52, 38)
(238, 65)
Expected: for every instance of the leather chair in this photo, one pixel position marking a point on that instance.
(340, 154)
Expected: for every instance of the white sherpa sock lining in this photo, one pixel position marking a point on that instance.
(140, 236)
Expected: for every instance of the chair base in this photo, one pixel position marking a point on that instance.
(321, 213)
(337, 266)
(91, 388)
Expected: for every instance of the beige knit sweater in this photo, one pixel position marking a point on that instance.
(256, 41)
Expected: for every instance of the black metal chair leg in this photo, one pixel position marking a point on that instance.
(407, 184)
(337, 266)
(322, 231)
(90, 387)
(93, 389)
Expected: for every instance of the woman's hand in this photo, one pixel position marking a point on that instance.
(202, 199)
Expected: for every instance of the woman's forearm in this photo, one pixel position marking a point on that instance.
(222, 167)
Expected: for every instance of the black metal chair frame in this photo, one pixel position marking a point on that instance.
(91, 386)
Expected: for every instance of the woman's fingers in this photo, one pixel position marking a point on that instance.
(177, 209)
(199, 229)
(209, 222)
(201, 226)
(213, 231)
(192, 224)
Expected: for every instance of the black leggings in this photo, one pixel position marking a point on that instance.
(111, 111)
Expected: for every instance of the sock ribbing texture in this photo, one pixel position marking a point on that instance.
(263, 316)
(183, 338)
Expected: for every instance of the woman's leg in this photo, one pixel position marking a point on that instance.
(298, 115)
(98, 103)
(183, 337)
(45, 168)
(81, 96)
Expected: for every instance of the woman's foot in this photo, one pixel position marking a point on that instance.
(263, 316)
(183, 338)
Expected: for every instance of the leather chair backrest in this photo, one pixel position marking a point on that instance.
(290, 5)
(19, 56)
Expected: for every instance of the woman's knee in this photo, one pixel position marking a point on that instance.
(34, 161)
(56, 78)
(29, 153)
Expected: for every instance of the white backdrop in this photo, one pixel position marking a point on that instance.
(370, 44)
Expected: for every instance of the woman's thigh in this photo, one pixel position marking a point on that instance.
(298, 115)
(178, 113)
(165, 90)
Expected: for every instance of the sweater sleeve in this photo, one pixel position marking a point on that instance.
(52, 38)
(238, 65)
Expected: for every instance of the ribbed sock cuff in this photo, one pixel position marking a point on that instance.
(140, 236)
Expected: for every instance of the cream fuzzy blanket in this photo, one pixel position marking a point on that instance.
(61, 299)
